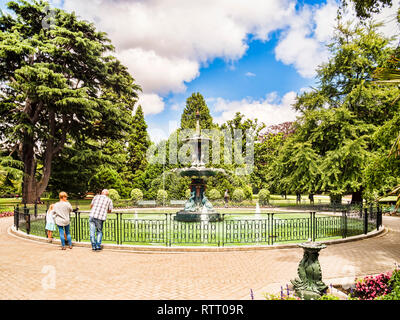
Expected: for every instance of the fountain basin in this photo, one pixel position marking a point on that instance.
(199, 172)
(184, 216)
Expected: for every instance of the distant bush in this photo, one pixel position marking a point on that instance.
(214, 194)
(162, 197)
(264, 196)
(187, 193)
(248, 192)
(136, 195)
(114, 195)
(238, 195)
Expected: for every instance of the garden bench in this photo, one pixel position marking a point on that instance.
(178, 202)
(147, 202)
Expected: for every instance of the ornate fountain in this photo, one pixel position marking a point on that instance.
(198, 207)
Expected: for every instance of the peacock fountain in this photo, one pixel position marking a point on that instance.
(198, 207)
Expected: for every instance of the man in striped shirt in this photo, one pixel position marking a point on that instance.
(100, 206)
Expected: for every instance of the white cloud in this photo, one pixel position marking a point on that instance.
(157, 73)
(388, 17)
(270, 110)
(165, 42)
(250, 74)
(151, 103)
(303, 44)
(325, 19)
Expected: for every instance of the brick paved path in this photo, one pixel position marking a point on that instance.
(26, 267)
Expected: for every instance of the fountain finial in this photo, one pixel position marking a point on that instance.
(198, 123)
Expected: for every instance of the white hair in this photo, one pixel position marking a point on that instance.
(105, 192)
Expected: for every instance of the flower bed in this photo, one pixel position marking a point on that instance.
(385, 286)
(371, 287)
(6, 214)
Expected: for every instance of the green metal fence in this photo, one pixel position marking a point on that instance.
(234, 228)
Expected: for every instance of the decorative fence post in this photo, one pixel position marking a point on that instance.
(79, 226)
(314, 227)
(119, 228)
(344, 224)
(76, 226)
(272, 229)
(27, 217)
(16, 217)
(166, 230)
(35, 209)
(365, 220)
(378, 217)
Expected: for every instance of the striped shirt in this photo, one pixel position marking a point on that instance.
(101, 205)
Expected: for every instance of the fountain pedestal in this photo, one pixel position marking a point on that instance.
(309, 285)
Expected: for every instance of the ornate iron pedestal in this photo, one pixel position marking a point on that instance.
(309, 285)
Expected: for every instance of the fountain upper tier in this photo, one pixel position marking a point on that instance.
(197, 168)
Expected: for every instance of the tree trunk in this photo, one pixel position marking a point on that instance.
(29, 192)
(356, 197)
(33, 189)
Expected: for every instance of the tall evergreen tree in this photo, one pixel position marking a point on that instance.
(57, 83)
(341, 115)
(138, 143)
(196, 103)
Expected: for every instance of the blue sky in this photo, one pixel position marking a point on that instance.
(252, 56)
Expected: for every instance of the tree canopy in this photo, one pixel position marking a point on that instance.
(58, 85)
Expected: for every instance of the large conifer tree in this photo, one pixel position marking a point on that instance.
(196, 103)
(57, 83)
(139, 142)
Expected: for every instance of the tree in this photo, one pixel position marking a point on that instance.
(139, 142)
(196, 103)
(11, 172)
(266, 152)
(297, 168)
(344, 111)
(57, 84)
(105, 178)
(365, 8)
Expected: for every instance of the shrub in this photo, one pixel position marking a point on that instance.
(214, 194)
(136, 195)
(105, 178)
(238, 195)
(187, 193)
(285, 294)
(372, 287)
(162, 197)
(248, 192)
(263, 196)
(113, 194)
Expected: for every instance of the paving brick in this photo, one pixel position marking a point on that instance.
(83, 274)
